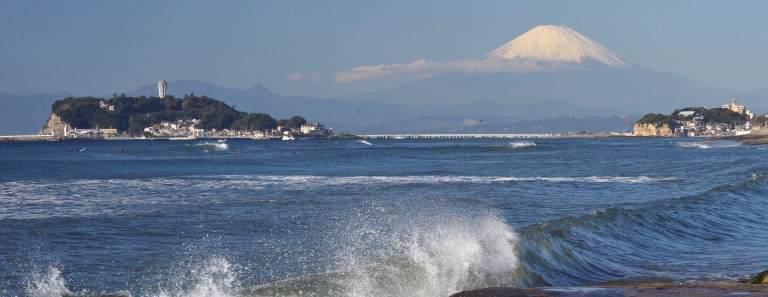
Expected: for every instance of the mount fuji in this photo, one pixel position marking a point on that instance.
(553, 68)
(556, 44)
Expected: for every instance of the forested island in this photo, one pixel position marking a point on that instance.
(169, 116)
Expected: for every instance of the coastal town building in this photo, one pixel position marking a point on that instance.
(738, 108)
(108, 133)
(178, 128)
(104, 105)
(314, 129)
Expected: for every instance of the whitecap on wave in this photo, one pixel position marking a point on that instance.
(709, 144)
(266, 180)
(521, 144)
(29, 199)
(216, 277)
(47, 283)
(365, 142)
(430, 250)
(219, 146)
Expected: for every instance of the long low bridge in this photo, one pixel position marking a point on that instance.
(451, 136)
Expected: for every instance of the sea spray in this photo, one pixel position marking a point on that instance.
(710, 144)
(420, 250)
(521, 144)
(210, 146)
(47, 284)
(216, 277)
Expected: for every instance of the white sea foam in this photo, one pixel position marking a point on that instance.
(709, 144)
(364, 142)
(521, 144)
(308, 180)
(48, 283)
(219, 146)
(429, 254)
(38, 199)
(213, 278)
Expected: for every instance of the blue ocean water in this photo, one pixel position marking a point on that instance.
(376, 217)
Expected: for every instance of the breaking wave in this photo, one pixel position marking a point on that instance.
(623, 243)
(218, 146)
(522, 144)
(365, 142)
(403, 250)
(709, 144)
(215, 277)
(46, 284)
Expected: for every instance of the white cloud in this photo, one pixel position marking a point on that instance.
(423, 68)
(299, 77)
(294, 77)
(417, 68)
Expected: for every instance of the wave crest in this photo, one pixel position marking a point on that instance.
(46, 284)
(428, 254)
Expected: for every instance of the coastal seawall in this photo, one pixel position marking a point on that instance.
(28, 138)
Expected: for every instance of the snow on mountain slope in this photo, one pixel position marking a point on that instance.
(556, 44)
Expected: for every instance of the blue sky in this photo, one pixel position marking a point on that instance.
(296, 47)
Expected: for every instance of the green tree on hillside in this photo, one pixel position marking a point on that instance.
(656, 119)
(294, 122)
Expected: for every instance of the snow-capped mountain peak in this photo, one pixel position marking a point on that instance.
(557, 44)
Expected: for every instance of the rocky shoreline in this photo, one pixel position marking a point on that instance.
(756, 286)
(643, 290)
(754, 138)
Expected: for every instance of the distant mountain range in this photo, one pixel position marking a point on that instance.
(25, 114)
(536, 80)
(376, 117)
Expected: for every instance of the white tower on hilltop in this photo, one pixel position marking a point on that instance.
(161, 87)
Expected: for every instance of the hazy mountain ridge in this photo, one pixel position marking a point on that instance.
(592, 85)
(503, 125)
(565, 73)
(25, 114)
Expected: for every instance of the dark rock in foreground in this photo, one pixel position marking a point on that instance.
(760, 278)
(695, 290)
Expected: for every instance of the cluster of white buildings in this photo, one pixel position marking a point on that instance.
(178, 128)
(694, 126)
(182, 128)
